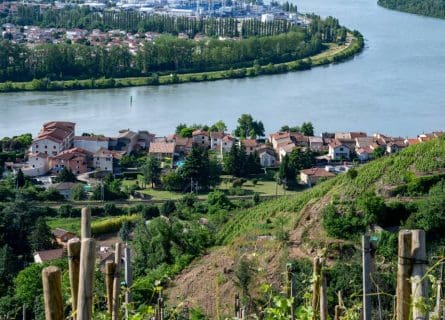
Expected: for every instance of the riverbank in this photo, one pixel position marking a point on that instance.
(333, 54)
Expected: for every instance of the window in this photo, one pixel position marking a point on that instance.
(37, 146)
(54, 147)
(46, 147)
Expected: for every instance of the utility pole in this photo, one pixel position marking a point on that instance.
(366, 256)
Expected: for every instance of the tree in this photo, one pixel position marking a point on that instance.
(219, 126)
(307, 129)
(247, 127)
(66, 175)
(151, 170)
(41, 236)
(9, 265)
(186, 132)
(197, 167)
(78, 192)
(168, 207)
(173, 181)
(20, 179)
(125, 230)
(179, 128)
(378, 152)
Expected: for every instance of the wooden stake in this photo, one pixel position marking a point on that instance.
(52, 293)
(418, 286)
(291, 288)
(86, 278)
(73, 265)
(85, 223)
(403, 275)
(316, 288)
(128, 279)
(323, 297)
(110, 267)
(237, 306)
(366, 277)
(116, 282)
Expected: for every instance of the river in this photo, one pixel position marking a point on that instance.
(396, 86)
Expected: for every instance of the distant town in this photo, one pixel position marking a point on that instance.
(33, 34)
(57, 147)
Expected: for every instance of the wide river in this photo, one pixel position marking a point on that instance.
(396, 86)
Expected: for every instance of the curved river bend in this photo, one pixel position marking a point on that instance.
(395, 86)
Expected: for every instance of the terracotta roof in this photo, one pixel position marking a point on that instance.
(216, 135)
(317, 172)
(364, 150)
(162, 147)
(354, 135)
(102, 152)
(279, 135)
(72, 153)
(287, 147)
(92, 138)
(38, 154)
(48, 255)
(251, 143)
(336, 143)
(315, 139)
(200, 132)
(228, 138)
(412, 141)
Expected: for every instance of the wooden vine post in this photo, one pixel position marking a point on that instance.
(73, 266)
(86, 279)
(339, 308)
(366, 276)
(316, 288)
(116, 282)
(109, 278)
(404, 267)
(128, 280)
(52, 293)
(323, 297)
(237, 306)
(291, 290)
(85, 223)
(418, 283)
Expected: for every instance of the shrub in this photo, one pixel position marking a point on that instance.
(150, 212)
(168, 207)
(112, 225)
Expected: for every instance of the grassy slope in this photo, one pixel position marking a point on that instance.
(300, 215)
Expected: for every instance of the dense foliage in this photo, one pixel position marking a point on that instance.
(432, 8)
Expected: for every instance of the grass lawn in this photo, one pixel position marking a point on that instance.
(265, 186)
(70, 224)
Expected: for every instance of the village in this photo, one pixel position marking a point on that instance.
(57, 147)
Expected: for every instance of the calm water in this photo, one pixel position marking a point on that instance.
(395, 86)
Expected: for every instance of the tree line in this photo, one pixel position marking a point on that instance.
(168, 54)
(133, 21)
(431, 8)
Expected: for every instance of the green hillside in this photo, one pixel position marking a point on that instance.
(406, 189)
(388, 176)
(431, 8)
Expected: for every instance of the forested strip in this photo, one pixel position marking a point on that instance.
(432, 8)
(133, 21)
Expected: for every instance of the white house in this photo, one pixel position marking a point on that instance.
(339, 151)
(216, 140)
(364, 154)
(267, 158)
(316, 143)
(226, 144)
(91, 143)
(107, 160)
(54, 137)
(37, 165)
(312, 175)
(201, 138)
(285, 150)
